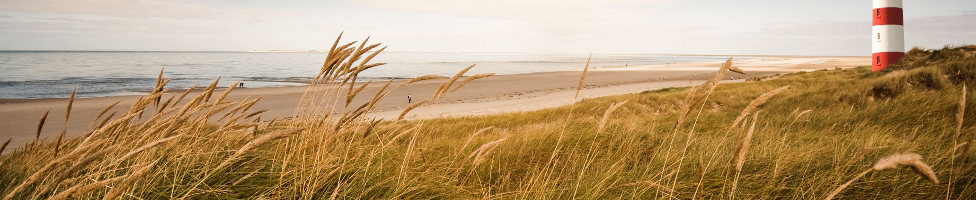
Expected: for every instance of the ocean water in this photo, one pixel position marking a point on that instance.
(53, 74)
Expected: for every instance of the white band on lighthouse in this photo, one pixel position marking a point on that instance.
(887, 3)
(888, 38)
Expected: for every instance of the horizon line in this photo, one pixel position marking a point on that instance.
(326, 51)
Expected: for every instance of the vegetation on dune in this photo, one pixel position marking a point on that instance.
(803, 136)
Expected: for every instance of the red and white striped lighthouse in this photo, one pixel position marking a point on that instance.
(888, 33)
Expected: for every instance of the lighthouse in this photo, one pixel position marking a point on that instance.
(888, 33)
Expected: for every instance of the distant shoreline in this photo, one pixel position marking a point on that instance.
(273, 81)
(326, 51)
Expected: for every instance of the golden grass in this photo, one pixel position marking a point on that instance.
(198, 147)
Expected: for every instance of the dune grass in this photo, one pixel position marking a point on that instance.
(804, 141)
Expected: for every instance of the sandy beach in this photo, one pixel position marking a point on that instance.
(497, 94)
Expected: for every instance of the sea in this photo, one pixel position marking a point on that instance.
(54, 74)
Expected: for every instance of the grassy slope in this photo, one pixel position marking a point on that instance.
(856, 118)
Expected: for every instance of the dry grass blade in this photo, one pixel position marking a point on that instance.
(185, 92)
(128, 181)
(4, 146)
(473, 135)
(891, 162)
(447, 84)
(245, 177)
(165, 104)
(481, 154)
(727, 66)
(652, 184)
(471, 78)
(100, 114)
(691, 99)
(227, 92)
(379, 95)
(209, 91)
(336, 43)
(255, 143)
(240, 152)
(143, 148)
(411, 107)
(606, 115)
(713, 83)
(82, 189)
(741, 155)
(352, 94)
(802, 113)
(686, 106)
(40, 125)
(423, 78)
(757, 102)
(71, 101)
(470, 138)
(583, 76)
(159, 86)
(736, 70)
(961, 112)
(364, 65)
(67, 115)
(907, 159)
(840, 188)
(403, 133)
(960, 115)
(255, 113)
(100, 125)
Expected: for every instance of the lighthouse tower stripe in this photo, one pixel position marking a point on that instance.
(887, 4)
(888, 38)
(888, 16)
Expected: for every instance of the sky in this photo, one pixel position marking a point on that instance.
(768, 27)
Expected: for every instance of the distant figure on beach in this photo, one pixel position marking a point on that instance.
(242, 84)
(408, 98)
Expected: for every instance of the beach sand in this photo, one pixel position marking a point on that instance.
(498, 94)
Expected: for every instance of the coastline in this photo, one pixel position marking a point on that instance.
(498, 94)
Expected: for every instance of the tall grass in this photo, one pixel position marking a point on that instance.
(193, 146)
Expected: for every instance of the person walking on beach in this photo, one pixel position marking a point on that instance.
(408, 98)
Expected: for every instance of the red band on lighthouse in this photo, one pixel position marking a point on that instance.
(887, 33)
(881, 60)
(888, 16)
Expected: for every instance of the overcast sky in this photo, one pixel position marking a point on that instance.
(781, 27)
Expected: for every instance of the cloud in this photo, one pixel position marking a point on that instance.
(937, 31)
(135, 9)
(535, 11)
